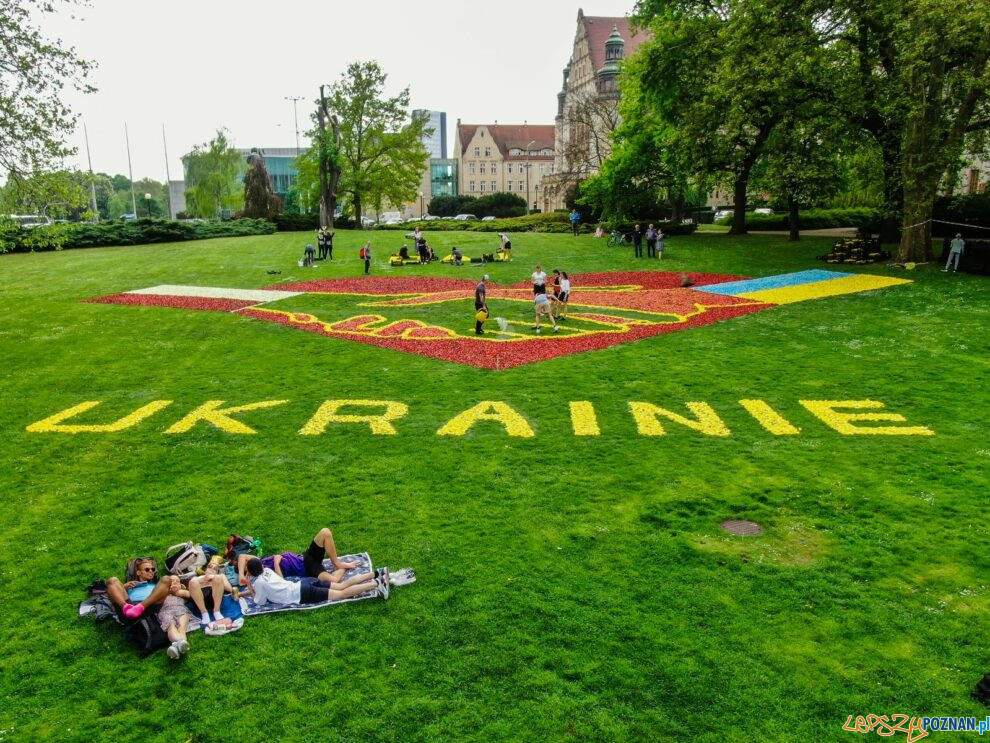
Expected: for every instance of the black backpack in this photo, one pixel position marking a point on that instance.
(982, 692)
(147, 634)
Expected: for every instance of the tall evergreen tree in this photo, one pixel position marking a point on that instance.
(259, 200)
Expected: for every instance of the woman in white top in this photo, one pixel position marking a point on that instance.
(565, 295)
(539, 281)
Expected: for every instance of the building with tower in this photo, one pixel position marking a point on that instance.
(587, 104)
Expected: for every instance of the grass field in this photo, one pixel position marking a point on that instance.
(569, 587)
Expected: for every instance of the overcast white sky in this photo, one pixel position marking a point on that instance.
(197, 66)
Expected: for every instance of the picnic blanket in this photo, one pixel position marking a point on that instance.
(251, 609)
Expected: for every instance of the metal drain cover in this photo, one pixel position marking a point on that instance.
(742, 528)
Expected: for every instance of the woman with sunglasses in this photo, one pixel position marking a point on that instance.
(141, 589)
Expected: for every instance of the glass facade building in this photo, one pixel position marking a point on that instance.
(435, 143)
(443, 176)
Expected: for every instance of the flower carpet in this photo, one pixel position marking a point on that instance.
(606, 309)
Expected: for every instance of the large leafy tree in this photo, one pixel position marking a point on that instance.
(34, 70)
(213, 178)
(381, 155)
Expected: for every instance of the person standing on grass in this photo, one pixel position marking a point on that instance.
(956, 248)
(321, 243)
(328, 237)
(366, 255)
(481, 303)
(660, 237)
(575, 220)
(651, 242)
(539, 281)
(565, 295)
(637, 239)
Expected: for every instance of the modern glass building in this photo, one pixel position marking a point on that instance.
(435, 143)
(278, 162)
(443, 176)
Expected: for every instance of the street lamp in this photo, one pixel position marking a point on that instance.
(295, 114)
(421, 204)
(528, 145)
(147, 203)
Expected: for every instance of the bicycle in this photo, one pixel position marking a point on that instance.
(617, 238)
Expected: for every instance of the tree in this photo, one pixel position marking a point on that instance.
(61, 194)
(259, 200)
(381, 154)
(33, 72)
(213, 178)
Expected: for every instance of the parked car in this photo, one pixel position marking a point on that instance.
(367, 221)
(722, 213)
(395, 221)
(464, 217)
(430, 217)
(489, 218)
(763, 210)
(29, 220)
(130, 217)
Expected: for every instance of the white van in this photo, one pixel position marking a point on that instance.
(29, 220)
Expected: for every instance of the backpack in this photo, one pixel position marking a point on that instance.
(982, 692)
(147, 634)
(361, 254)
(185, 559)
(238, 545)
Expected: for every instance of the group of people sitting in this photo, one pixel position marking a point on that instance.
(264, 579)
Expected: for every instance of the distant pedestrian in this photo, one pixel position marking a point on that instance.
(321, 242)
(565, 295)
(457, 255)
(575, 220)
(481, 304)
(309, 255)
(328, 236)
(366, 256)
(637, 238)
(956, 249)
(539, 281)
(660, 237)
(651, 242)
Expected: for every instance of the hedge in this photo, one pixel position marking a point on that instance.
(138, 232)
(814, 219)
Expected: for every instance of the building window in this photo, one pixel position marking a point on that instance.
(471, 187)
(494, 170)
(508, 185)
(494, 189)
(488, 152)
(482, 187)
(471, 168)
(477, 151)
(508, 168)
(482, 168)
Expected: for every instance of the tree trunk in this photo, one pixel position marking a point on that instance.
(357, 212)
(792, 218)
(326, 216)
(739, 205)
(893, 189)
(676, 205)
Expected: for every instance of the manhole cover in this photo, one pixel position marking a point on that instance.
(742, 528)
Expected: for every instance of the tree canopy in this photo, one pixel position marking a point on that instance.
(213, 178)
(34, 70)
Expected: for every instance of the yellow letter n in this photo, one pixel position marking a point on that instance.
(706, 420)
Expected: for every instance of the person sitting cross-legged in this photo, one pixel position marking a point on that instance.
(141, 589)
(265, 586)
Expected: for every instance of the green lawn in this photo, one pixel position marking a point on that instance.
(569, 587)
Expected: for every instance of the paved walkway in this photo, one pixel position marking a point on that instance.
(830, 232)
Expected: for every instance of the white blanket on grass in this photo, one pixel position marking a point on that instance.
(251, 609)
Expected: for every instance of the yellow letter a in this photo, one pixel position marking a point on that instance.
(514, 424)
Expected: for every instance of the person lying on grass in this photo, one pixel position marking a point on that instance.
(265, 586)
(141, 589)
(174, 620)
(310, 564)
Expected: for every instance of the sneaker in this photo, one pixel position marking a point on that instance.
(173, 651)
(183, 646)
(537, 331)
(133, 611)
(555, 328)
(382, 589)
(402, 577)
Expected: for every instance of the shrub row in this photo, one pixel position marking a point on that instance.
(814, 219)
(138, 232)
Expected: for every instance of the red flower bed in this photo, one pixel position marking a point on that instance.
(168, 300)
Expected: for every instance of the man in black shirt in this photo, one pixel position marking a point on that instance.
(480, 303)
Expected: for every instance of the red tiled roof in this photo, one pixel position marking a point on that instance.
(599, 29)
(507, 136)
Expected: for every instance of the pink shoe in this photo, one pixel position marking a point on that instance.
(133, 611)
